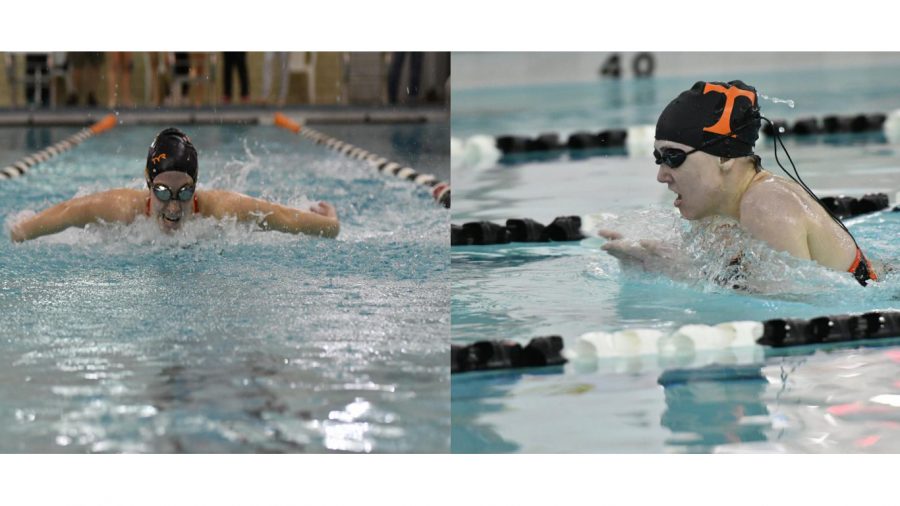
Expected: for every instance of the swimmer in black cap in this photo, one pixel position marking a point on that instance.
(704, 149)
(171, 174)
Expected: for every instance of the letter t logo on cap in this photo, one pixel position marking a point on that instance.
(723, 126)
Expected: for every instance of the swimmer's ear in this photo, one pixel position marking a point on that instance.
(725, 163)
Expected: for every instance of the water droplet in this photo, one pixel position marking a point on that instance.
(776, 100)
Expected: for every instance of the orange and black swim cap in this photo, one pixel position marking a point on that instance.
(721, 119)
(171, 150)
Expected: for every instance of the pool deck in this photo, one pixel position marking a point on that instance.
(232, 114)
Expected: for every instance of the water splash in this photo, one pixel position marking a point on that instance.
(721, 254)
(776, 100)
(476, 152)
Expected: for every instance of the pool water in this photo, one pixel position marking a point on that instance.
(825, 399)
(222, 338)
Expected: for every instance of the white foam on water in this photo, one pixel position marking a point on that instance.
(892, 127)
(640, 139)
(711, 246)
(476, 152)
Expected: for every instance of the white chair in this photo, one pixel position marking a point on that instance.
(305, 63)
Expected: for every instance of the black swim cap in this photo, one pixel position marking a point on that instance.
(721, 119)
(171, 150)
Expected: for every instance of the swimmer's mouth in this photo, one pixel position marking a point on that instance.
(172, 220)
(677, 199)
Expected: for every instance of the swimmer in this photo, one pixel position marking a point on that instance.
(172, 198)
(704, 149)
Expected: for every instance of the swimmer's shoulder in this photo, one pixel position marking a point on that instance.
(773, 199)
(119, 204)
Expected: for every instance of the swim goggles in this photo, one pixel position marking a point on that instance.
(674, 157)
(164, 193)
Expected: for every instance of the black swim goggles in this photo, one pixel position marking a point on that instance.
(164, 193)
(674, 157)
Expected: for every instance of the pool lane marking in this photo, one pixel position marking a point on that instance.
(23, 165)
(855, 330)
(439, 190)
(638, 139)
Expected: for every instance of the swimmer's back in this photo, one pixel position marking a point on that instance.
(785, 201)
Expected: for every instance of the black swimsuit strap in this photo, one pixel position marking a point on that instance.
(862, 273)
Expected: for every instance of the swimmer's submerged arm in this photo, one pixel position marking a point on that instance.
(110, 206)
(269, 215)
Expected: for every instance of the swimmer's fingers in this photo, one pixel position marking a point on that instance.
(325, 209)
(652, 246)
(658, 249)
(612, 235)
(626, 251)
(16, 234)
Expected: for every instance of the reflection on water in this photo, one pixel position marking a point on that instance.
(840, 400)
(705, 411)
(220, 338)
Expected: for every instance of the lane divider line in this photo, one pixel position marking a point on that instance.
(854, 330)
(439, 190)
(20, 167)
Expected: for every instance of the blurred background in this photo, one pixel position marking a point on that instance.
(475, 70)
(60, 80)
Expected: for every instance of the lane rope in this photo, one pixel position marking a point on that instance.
(627, 141)
(20, 167)
(851, 329)
(568, 228)
(439, 190)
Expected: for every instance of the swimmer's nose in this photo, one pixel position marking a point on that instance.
(173, 206)
(664, 174)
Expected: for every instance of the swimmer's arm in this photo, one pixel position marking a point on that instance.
(321, 220)
(649, 255)
(120, 205)
(780, 222)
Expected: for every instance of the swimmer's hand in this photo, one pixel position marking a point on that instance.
(648, 255)
(16, 234)
(609, 234)
(325, 209)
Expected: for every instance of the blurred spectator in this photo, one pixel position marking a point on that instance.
(118, 79)
(155, 69)
(180, 66)
(12, 77)
(37, 79)
(415, 76)
(190, 76)
(281, 61)
(236, 61)
(199, 76)
(85, 67)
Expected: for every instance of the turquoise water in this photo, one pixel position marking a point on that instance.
(222, 338)
(835, 400)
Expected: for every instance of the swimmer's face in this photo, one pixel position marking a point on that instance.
(697, 183)
(172, 213)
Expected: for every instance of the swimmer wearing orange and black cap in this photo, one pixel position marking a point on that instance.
(172, 197)
(704, 148)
